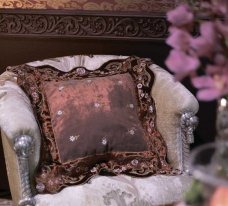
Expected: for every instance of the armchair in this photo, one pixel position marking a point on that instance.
(175, 110)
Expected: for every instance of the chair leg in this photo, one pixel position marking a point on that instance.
(23, 147)
(188, 123)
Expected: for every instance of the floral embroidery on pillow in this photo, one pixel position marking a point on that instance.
(94, 122)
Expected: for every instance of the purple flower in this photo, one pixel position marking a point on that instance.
(179, 39)
(211, 47)
(203, 82)
(179, 62)
(181, 16)
(211, 87)
(201, 47)
(222, 28)
(208, 31)
(207, 88)
(208, 94)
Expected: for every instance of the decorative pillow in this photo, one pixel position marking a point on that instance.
(94, 122)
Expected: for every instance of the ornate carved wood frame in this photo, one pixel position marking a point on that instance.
(51, 33)
(84, 24)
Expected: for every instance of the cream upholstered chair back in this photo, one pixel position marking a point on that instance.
(175, 110)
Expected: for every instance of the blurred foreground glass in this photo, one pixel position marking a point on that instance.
(209, 162)
(221, 155)
(207, 167)
(222, 119)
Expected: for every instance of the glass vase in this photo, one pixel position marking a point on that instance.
(209, 162)
(222, 119)
(206, 167)
(221, 156)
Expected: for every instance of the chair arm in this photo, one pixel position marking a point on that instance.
(17, 118)
(17, 164)
(21, 135)
(175, 107)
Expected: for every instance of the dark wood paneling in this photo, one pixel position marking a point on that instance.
(27, 35)
(101, 25)
(18, 50)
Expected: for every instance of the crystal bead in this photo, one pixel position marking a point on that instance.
(35, 95)
(139, 86)
(131, 106)
(117, 171)
(97, 105)
(131, 131)
(74, 137)
(61, 88)
(120, 82)
(94, 169)
(104, 141)
(60, 112)
(40, 187)
(151, 109)
(50, 182)
(43, 175)
(134, 162)
(80, 71)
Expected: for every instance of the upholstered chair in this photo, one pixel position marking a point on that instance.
(21, 135)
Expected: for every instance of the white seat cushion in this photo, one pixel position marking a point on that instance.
(120, 191)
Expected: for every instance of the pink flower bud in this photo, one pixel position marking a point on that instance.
(208, 31)
(203, 82)
(208, 94)
(201, 47)
(179, 62)
(179, 39)
(180, 16)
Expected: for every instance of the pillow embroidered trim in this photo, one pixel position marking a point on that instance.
(53, 174)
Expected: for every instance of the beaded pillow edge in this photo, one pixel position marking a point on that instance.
(56, 179)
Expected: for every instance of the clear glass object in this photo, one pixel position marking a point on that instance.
(206, 166)
(221, 156)
(222, 120)
(209, 162)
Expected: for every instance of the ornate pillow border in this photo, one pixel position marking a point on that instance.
(52, 175)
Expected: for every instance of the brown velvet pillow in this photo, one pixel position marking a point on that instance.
(94, 122)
